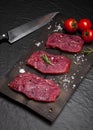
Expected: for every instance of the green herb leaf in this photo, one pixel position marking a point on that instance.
(87, 51)
(46, 59)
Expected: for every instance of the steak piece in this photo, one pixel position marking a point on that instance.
(49, 63)
(65, 42)
(35, 87)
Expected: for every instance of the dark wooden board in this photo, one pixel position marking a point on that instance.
(80, 65)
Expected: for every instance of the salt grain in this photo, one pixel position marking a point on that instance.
(72, 77)
(49, 27)
(21, 70)
(74, 74)
(81, 77)
(58, 28)
(38, 44)
(80, 58)
(66, 80)
(74, 85)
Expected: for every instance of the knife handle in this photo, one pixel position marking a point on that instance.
(4, 37)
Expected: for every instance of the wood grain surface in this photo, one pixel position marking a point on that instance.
(69, 82)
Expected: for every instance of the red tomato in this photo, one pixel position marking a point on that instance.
(70, 25)
(87, 35)
(84, 24)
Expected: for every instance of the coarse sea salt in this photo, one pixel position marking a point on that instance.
(38, 43)
(74, 73)
(81, 77)
(58, 28)
(72, 77)
(78, 59)
(74, 85)
(49, 27)
(67, 80)
(21, 70)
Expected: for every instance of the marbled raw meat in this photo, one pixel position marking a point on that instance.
(59, 64)
(65, 42)
(35, 87)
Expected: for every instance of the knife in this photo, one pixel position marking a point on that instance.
(27, 28)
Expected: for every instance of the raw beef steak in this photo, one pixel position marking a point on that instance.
(49, 63)
(35, 87)
(65, 42)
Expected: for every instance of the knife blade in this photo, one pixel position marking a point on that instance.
(27, 28)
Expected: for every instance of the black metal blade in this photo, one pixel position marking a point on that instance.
(23, 30)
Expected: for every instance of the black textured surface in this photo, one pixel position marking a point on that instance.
(78, 113)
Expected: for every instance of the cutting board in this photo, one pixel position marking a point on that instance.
(69, 82)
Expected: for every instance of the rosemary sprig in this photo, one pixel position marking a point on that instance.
(46, 59)
(87, 51)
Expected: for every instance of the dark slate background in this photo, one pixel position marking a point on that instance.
(78, 112)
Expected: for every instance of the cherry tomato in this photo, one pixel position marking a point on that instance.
(87, 35)
(84, 24)
(70, 25)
